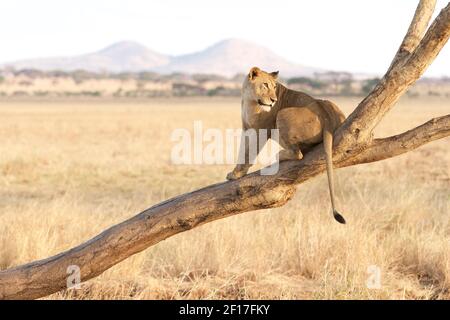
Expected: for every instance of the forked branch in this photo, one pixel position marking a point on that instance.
(354, 145)
(358, 127)
(380, 149)
(415, 32)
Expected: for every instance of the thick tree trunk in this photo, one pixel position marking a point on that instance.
(353, 145)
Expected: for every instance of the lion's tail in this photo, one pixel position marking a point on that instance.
(328, 147)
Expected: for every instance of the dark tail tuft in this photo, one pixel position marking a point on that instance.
(339, 218)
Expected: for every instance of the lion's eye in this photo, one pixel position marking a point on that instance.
(266, 85)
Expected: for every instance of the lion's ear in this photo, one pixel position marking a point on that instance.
(254, 72)
(275, 74)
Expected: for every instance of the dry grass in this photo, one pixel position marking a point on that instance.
(69, 169)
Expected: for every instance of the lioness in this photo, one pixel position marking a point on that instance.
(302, 121)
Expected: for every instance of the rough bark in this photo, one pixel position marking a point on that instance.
(415, 32)
(353, 145)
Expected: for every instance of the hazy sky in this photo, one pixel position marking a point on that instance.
(351, 35)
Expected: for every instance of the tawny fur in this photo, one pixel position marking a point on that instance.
(302, 121)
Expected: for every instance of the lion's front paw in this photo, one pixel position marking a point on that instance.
(234, 175)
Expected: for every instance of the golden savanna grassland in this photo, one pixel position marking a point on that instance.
(71, 168)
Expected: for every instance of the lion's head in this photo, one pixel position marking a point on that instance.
(260, 87)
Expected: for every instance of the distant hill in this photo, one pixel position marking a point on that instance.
(119, 57)
(233, 56)
(226, 58)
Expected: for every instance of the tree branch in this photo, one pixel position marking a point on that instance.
(415, 32)
(358, 127)
(380, 149)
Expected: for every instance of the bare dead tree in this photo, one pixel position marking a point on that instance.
(354, 144)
